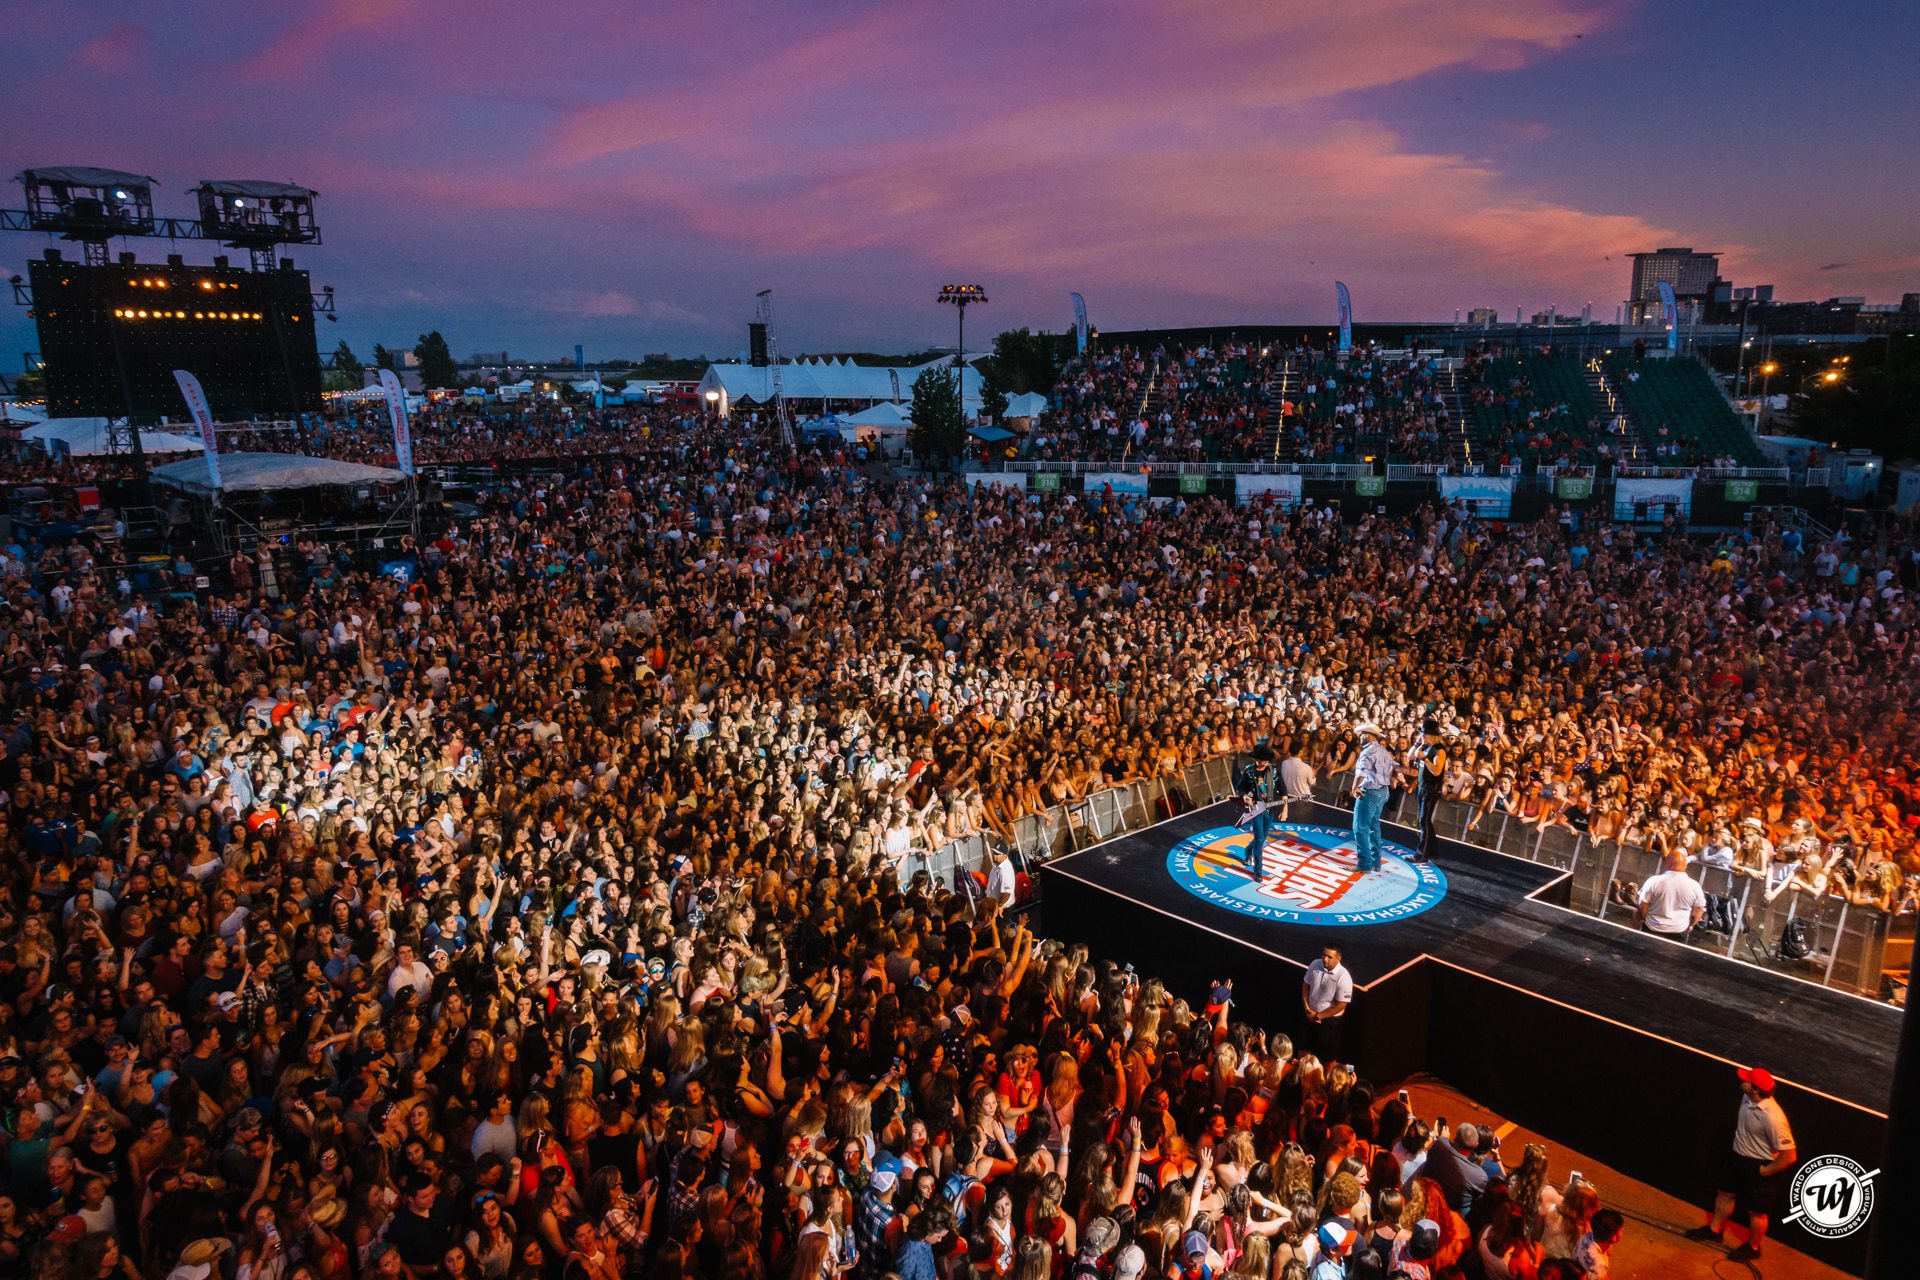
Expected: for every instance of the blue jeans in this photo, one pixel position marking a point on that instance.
(1257, 847)
(1367, 807)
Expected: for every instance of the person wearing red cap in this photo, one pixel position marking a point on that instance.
(1762, 1152)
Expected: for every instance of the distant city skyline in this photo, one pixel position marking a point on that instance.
(627, 176)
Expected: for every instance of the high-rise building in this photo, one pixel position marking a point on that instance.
(1690, 274)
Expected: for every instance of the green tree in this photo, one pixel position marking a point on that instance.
(385, 359)
(938, 432)
(344, 361)
(437, 365)
(993, 398)
(1024, 361)
(347, 373)
(1874, 404)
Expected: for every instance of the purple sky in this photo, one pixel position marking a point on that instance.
(627, 174)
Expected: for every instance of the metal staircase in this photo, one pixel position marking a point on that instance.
(1453, 399)
(1617, 418)
(1272, 443)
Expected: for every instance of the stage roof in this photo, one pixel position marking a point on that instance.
(270, 472)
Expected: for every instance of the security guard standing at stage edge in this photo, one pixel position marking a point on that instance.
(1255, 786)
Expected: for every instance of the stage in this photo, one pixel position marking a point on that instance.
(1472, 968)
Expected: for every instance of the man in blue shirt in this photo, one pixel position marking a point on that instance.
(1372, 780)
(925, 1232)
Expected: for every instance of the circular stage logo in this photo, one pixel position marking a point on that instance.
(1308, 876)
(1832, 1196)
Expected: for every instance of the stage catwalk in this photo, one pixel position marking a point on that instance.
(1475, 972)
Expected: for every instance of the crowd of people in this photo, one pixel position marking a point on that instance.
(555, 915)
(1236, 402)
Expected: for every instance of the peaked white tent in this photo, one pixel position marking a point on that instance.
(266, 472)
(884, 414)
(1028, 404)
(828, 380)
(87, 438)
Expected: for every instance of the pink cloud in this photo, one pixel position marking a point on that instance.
(299, 51)
(116, 52)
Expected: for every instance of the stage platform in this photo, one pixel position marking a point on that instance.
(1473, 969)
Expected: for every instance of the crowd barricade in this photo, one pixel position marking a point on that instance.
(961, 865)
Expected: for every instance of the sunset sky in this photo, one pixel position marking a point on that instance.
(627, 173)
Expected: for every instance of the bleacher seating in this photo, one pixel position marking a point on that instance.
(1681, 414)
(1533, 408)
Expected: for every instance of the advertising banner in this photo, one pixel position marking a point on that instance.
(1649, 499)
(1080, 322)
(998, 479)
(1121, 482)
(196, 399)
(1670, 315)
(1283, 489)
(1345, 301)
(397, 413)
(1484, 495)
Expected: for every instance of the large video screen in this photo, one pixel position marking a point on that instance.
(218, 323)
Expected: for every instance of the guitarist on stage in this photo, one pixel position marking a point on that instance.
(1255, 785)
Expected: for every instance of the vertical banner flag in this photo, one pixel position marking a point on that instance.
(893, 376)
(1345, 300)
(402, 432)
(1670, 315)
(1080, 322)
(579, 357)
(196, 400)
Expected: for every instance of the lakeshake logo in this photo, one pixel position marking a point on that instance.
(1309, 876)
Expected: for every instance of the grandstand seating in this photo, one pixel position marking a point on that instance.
(1681, 414)
(1537, 407)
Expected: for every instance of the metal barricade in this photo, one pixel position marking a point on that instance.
(1559, 847)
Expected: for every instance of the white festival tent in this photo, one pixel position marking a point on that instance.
(270, 472)
(884, 414)
(87, 438)
(828, 380)
(1028, 404)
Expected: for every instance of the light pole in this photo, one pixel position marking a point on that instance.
(713, 404)
(1766, 377)
(960, 297)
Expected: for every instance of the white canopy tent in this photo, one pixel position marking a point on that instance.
(884, 414)
(269, 472)
(87, 438)
(1028, 404)
(826, 380)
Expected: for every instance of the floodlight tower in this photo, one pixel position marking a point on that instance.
(960, 297)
